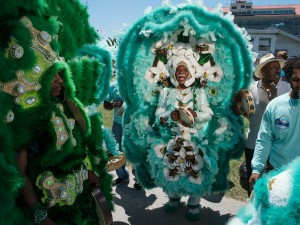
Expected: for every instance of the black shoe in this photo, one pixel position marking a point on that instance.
(172, 205)
(119, 180)
(138, 186)
(193, 212)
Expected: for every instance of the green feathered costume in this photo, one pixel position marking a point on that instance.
(61, 138)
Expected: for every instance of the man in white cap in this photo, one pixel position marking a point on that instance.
(263, 91)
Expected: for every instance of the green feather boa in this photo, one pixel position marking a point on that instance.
(58, 19)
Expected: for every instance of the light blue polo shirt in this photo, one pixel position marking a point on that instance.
(279, 134)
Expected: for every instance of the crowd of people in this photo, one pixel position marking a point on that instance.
(276, 143)
(275, 163)
(271, 142)
(268, 87)
(61, 162)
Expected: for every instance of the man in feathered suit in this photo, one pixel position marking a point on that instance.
(51, 156)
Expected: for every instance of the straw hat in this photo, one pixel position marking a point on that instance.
(264, 61)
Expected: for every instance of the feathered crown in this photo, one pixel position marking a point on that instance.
(182, 46)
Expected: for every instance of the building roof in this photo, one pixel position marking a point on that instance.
(296, 6)
(273, 30)
(294, 37)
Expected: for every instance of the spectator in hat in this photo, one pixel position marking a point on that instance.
(278, 137)
(263, 91)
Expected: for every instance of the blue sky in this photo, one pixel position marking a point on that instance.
(108, 16)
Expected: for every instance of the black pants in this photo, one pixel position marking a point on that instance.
(248, 156)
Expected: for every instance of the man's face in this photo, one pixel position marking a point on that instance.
(56, 86)
(181, 74)
(271, 72)
(295, 83)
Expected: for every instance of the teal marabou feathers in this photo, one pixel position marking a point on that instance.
(232, 53)
(282, 208)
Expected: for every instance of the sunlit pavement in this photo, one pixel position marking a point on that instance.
(144, 207)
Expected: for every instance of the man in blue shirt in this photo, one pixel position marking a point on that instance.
(263, 91)
(278, 137)
(114, 102)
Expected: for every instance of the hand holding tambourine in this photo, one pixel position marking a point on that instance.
(101, 205)
(118, 103)
(175, 115)
(184, 116)
(244, 103)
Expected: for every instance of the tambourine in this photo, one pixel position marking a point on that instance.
(185, 117)
(246, 105)
(102, 210)
(115, 162)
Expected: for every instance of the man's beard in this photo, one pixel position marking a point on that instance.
(296, 93)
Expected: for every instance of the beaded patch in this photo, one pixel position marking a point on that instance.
(10, 116)
(26, 85)
(61, 191)
(21, 88)
(40, 40)
(62, 134)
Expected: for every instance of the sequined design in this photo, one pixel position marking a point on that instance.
(213, 91)
(25, 87)
(21, 88)
(40, 40)
(10, 116)
(59, 124)
(61, 133)
(61, 191)
(16, 51)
